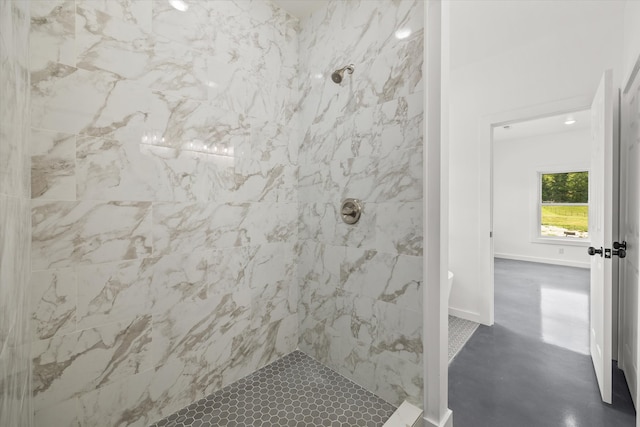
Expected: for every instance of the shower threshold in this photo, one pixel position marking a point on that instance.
(295, 391)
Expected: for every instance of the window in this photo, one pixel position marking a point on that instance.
(564, 205)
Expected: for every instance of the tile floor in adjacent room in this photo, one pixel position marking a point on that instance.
(460, 330)
(532, 367)
(294, 391)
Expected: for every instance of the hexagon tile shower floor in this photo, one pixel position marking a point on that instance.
(293, 391)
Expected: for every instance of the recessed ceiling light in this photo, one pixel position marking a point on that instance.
(180, 5)
(569, 121)
(403, 33)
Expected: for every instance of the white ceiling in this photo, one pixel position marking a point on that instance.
(300, 8)
(543, 126)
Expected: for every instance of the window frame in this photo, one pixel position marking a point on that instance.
(537, 237)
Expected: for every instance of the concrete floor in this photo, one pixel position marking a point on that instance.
(532, 368)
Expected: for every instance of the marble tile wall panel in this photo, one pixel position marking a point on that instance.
(14, 103)
(363, 139)
(15, 373)
(164, 178)
(53, 28)
(53, 165)
(136, 12)
(15, 232)
(368, 32)
(54, 302)
(73, 233)
(68, 365)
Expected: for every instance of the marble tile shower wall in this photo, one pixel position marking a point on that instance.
(360, 306)
(164, 216)
(15, 240)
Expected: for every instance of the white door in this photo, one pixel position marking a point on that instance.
(629, 231)
(600, 232)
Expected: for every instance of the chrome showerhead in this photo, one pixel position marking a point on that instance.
(337, 75)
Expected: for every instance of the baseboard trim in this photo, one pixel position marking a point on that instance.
(543, 260)
(466, 315)
(446, 421)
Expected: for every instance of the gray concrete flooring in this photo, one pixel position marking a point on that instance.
(532, 368)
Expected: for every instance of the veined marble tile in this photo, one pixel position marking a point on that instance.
(59, 414)
(151, 61)
(356, 177)
(363, 140)
(267, 343)
(399, 228)
(318, 143)
(15, 331)
(202, 330)
(14, 259)
(399, 177)
(265, 266)
(401, 122)
(217, 28)
(263, 182)
(114, 292)
(362, 26)
(357, 319)
(74, 233)
(187, 175)
(70, 365)
(358, 134)
(386, 277)
(131, 401)
(320, 263)
(15, 381)
(400, 333)
(53, 307)
(14, 152)
(178, 279)
(272, 295)
(353, 360)
(182, 122)
(398, 380)
(380, 130)
(53, 165)
(96, 103)
(189, 227)
(53, 32)
(136, 12)
(266, 222)
(313, 183)
(115, 169)
(396, 72)
(270, 143)
(403, 280)
(229, 84)
(276, 102)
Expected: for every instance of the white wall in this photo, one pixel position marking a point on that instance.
(631, 36)
(565, 59)
(516, 166)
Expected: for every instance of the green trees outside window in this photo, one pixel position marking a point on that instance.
(564, 209)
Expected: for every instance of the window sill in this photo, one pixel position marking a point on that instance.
(565, 241)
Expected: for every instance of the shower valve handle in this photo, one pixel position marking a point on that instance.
(346, 210)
